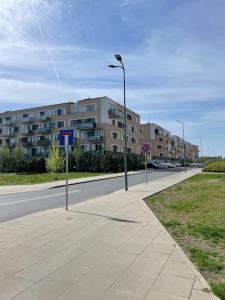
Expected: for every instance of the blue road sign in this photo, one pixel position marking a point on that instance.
(64, 135)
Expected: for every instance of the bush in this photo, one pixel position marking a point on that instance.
(218, 166)
(55, 162)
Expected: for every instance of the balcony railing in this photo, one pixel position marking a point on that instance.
(8, 134)
(96, 139)
(42, 143)
(44, 119)
(26, 132)
(83, 126)
(115, 113)
(26, 144)
(9, 123)
(42, 130)
(27, 120)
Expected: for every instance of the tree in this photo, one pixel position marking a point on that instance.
(5, 161)
(19, 159)
(55, 161)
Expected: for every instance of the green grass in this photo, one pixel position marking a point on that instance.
(194, 213)
(219, 290)
(205, 260)
(15, 179)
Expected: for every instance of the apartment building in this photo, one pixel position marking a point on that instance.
(177, 151)
(98, 125)
(159, 138)
(192, 151)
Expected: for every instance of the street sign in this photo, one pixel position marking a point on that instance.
(66, 137)
(66, 140)
(145, 148)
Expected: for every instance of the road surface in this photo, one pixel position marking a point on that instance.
(20, 204)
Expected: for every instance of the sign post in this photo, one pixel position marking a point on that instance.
(66, 139)
(145, 149)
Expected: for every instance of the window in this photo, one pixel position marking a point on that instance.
(161, 139)
(115, 136)
(133, 129)
(60, 124)
(159, 146)
(0, 130)
(115, 148)
(133, 140)
(123, 137)
(25, 115)
(35, 126)
(120, 125)
(87, 108)
(0, 120)
(129, 117)
(161, 154)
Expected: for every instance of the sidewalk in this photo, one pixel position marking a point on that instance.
(10, 189)
(110, 248)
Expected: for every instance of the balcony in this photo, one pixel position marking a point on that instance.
(9, 123)
(84, 126)
(96, 139)
(27, 120)
(26, 144)
(43, 143)
(43, 130)
(44, 119)
(115, 113)
(8, 134)
(26, 132)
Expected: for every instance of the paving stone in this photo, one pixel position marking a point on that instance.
(144, 270)
(179, 269)
(157, 295)
(200, 295)
(133, 285)
(12, 286)
(44, 290)
(113, 294)
(173, 285)
(24, 260)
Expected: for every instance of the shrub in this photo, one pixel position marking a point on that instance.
(55, 162)
(5, 159)
(218, 166)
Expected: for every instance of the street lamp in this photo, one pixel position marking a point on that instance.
(184, 148)
(119, 59)
(200, 139)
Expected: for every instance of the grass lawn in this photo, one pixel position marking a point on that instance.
(194, 213)
(15, 179)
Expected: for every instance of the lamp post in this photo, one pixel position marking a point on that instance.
(184, 148)
(200, 139)
(119, 59)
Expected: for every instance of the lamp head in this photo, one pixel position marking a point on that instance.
(118, 57)
(111, 66)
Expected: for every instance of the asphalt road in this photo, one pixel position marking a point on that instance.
(16, 205)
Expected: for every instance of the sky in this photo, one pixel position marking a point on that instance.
(53, 51)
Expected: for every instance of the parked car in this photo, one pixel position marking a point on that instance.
(157, 164)
(170, 165)
(177, 164)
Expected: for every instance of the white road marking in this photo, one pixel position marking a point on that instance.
(37, 198)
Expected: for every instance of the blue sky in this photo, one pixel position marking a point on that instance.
(174, 52)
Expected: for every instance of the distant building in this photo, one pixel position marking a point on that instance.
(159, 139)
(177, 151)
(98, 124)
